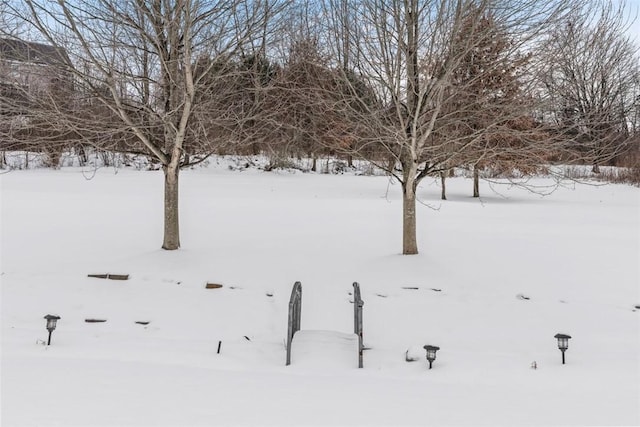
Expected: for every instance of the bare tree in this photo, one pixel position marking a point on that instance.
(143, 61)
(492, 108)
(301, 112)
(591, 76)
(33, 89)
(408, 52)
(8, 25)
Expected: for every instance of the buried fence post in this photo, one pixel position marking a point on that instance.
(357, 320)
(295, 311)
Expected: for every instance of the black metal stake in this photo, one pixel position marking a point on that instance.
(49, 342)
(563, 357)
(219, 345)
(430, 362)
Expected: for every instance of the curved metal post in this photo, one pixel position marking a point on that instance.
(295, 312)
(357, 320)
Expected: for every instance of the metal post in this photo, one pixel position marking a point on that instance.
(49, 342)
(357, 321)
(430, 362)
(295, 314)
(563, 357)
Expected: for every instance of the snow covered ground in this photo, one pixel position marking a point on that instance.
(496, 279)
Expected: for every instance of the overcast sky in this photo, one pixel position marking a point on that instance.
(634, 12)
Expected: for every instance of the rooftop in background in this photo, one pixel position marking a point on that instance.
(37, 53)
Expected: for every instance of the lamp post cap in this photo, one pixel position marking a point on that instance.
(562, 336)
(431, 347)
(52, 317)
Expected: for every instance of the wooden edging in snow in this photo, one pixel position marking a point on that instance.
(138, 322)
(213, 286)
(109, 276)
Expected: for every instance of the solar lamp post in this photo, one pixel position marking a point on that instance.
(51, 324)
(431, 353)
(563, 343)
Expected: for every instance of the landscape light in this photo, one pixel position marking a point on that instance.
(431, 353)
(563, 343)
(51, 324)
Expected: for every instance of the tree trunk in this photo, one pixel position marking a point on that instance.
(171, 222)
(443, 177)
(596, 168)
(476, 181)
(409, 240)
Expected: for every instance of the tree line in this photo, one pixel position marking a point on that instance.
(416, 87)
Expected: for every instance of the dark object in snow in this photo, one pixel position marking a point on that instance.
(381, 295)
(412, 288)
(523, 297)
(269, 294)
(534, 365)
(436, 290)
(638, 306)
(246, 338)
(213, 286)
(219, 346)
(408, 358)
(139, 322)
(95, 320)
(109, 276)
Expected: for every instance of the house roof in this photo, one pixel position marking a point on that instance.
(36, 53)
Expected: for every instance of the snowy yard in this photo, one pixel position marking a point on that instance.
(496, 279)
